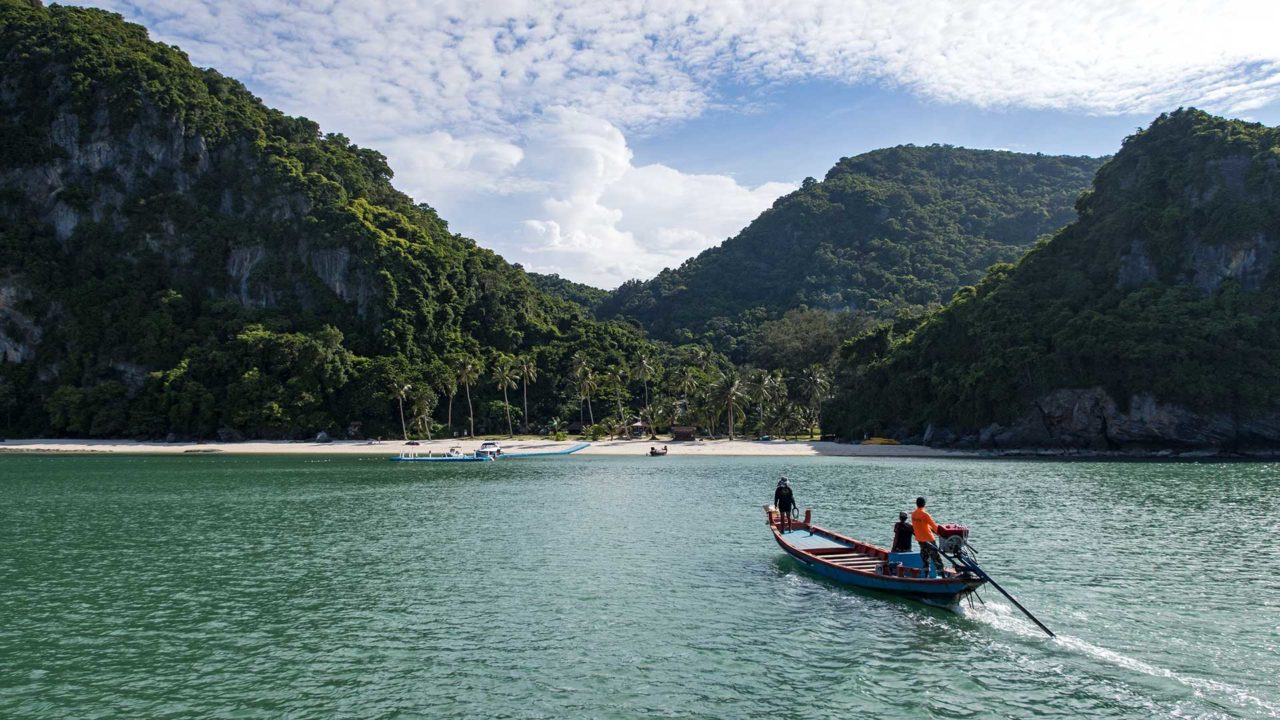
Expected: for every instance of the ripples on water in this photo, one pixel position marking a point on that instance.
(248, 587)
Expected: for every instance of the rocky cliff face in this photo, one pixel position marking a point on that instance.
(97, 173)
(174, 254)
(1090, 419)
(1149, 322)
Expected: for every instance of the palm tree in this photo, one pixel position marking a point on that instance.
(643, 371)
(555, 425)
(528, 374)
(450, 388)
(468, 373)
(687, 384)
(777, 395)
(814, 387)
(701, 358)
(402, 392)
(792, 416)
(756, 389)
(727, 392)
(504, 377)
(586, 383)
(618, 379)
(661, 414)
(423, 404)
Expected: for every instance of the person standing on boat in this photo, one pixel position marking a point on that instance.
(785, 501)
(923, 525)
(902, 532)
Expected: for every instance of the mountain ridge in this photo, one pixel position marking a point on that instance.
(889, 229)
(1149, 321)
(179, 258)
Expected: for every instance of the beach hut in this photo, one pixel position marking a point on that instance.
(639, 429)
(684, 432)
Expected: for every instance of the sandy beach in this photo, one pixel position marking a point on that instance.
(393, 447)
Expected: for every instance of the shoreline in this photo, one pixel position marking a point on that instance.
(389, 448)
(602, 448)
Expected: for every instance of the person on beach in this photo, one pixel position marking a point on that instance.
(785, 501)
(902, 532)
(923, 525)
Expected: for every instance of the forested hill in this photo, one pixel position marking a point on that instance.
(893, 228)
(1152, 320)
(177, 257)
(585, 295)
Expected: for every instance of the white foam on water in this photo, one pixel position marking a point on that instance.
(1005, 617)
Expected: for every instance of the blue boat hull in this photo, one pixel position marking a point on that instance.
(942, 593)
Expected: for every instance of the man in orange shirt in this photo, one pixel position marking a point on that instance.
(923, 525)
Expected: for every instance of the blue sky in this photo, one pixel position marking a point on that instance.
(607, 139)
(803, 129)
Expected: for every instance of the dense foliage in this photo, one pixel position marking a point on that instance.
(1165, 286)
(177, 257)
(892, 229)
(585, 295)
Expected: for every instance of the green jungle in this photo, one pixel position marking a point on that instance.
(179, 260)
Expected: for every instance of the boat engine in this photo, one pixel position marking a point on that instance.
(952, 538)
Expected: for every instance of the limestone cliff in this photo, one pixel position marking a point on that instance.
(1153, 320)
(176, 256)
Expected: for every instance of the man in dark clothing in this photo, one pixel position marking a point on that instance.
(785, 502)
(902, 532)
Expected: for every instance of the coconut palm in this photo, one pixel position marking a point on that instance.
(701, 358)
(643, 371)
(815, 386)
(585, 382)
(468, 373)
(618, 379)
(449, 384)
(505, 376)
(423, 404)
(687, 384)
(727, 392)
(662, 414)
(402, 392)
(757, 388)
(528, 374)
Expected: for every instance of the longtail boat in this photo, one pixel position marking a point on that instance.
(863, 565)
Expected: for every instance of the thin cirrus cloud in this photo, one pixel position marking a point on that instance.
(511, 117)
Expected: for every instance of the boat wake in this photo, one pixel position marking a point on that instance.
(1004, 617)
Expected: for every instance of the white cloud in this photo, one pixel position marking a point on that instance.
(605, 220)
(521, 107)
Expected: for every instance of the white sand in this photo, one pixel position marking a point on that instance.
(394, 447)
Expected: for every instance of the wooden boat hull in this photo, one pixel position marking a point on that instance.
(851, 562)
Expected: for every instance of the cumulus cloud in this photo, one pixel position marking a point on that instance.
(530, 101)
(605, 220)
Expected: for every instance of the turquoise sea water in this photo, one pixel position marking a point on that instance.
(591, 587)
